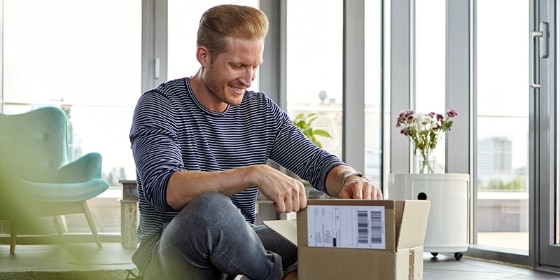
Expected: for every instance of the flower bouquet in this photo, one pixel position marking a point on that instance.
(424, 131)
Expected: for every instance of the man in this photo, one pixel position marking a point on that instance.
(201, 145)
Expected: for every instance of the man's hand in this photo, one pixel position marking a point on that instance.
(356, 187)
(287, 193)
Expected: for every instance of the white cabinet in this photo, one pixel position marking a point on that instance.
(448, 223)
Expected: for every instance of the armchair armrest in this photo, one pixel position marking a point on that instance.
(82, 169)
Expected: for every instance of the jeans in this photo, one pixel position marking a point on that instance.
(210, 239)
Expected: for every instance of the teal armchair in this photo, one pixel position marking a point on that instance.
(36, 178)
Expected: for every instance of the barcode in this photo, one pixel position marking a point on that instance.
(370, 229)
(363, 231)
(376, 227)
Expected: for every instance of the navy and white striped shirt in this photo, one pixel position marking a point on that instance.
(172, 131)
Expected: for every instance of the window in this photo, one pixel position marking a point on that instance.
(314, 65)
(503, 131)
(430, 65)
(373, 41)
(63, 53)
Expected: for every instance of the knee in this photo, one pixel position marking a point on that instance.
(210, 209)
(213, 201)
(209, 199)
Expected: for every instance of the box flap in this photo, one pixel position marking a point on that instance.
(413, 223)
(286, 228)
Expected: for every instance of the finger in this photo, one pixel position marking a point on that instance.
(289, 204)
(345, 194)
(302, 199)
(376, 193)
(280, 206)
(295, 202)
(368, 192)
(357, 193)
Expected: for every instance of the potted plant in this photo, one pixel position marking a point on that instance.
(305, 124)
(424, 131)
(448, 221)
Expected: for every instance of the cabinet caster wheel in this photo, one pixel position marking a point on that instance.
(434, 255)
(458, 256)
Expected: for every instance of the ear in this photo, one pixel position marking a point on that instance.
(203, 56)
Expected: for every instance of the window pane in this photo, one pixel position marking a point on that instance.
(314, 65)
(430, 65)
(502, 154)
(373, 91)
(61, 53)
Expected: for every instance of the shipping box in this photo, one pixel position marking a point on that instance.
(358, 239)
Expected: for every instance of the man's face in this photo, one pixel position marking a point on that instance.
(228, 75)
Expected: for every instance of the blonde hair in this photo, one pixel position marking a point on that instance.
(220, 22)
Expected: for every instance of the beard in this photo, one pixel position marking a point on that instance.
(220, 88)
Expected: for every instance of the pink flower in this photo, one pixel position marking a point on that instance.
(424, 129)
(452, 113)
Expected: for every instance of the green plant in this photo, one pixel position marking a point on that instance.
(305, 124)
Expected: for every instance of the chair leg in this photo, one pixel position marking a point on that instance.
(63, 223)
(13, 236)
(91, 224)
(57, 226)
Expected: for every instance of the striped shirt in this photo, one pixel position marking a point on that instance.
(172, 131)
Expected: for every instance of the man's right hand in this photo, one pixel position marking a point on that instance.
(287, 193)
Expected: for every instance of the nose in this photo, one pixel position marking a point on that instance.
(248, 76)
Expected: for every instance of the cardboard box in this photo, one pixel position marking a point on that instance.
(358, 239)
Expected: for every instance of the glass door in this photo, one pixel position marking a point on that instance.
(517, 133)
(544, 74)
(502, 127)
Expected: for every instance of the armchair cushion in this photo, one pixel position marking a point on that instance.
(36, 177)
(34, 161)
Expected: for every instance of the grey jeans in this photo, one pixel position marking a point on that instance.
(210, 239)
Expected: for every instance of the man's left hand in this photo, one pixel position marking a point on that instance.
(357, 187)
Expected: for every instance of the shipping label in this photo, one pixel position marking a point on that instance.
(346, 226)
